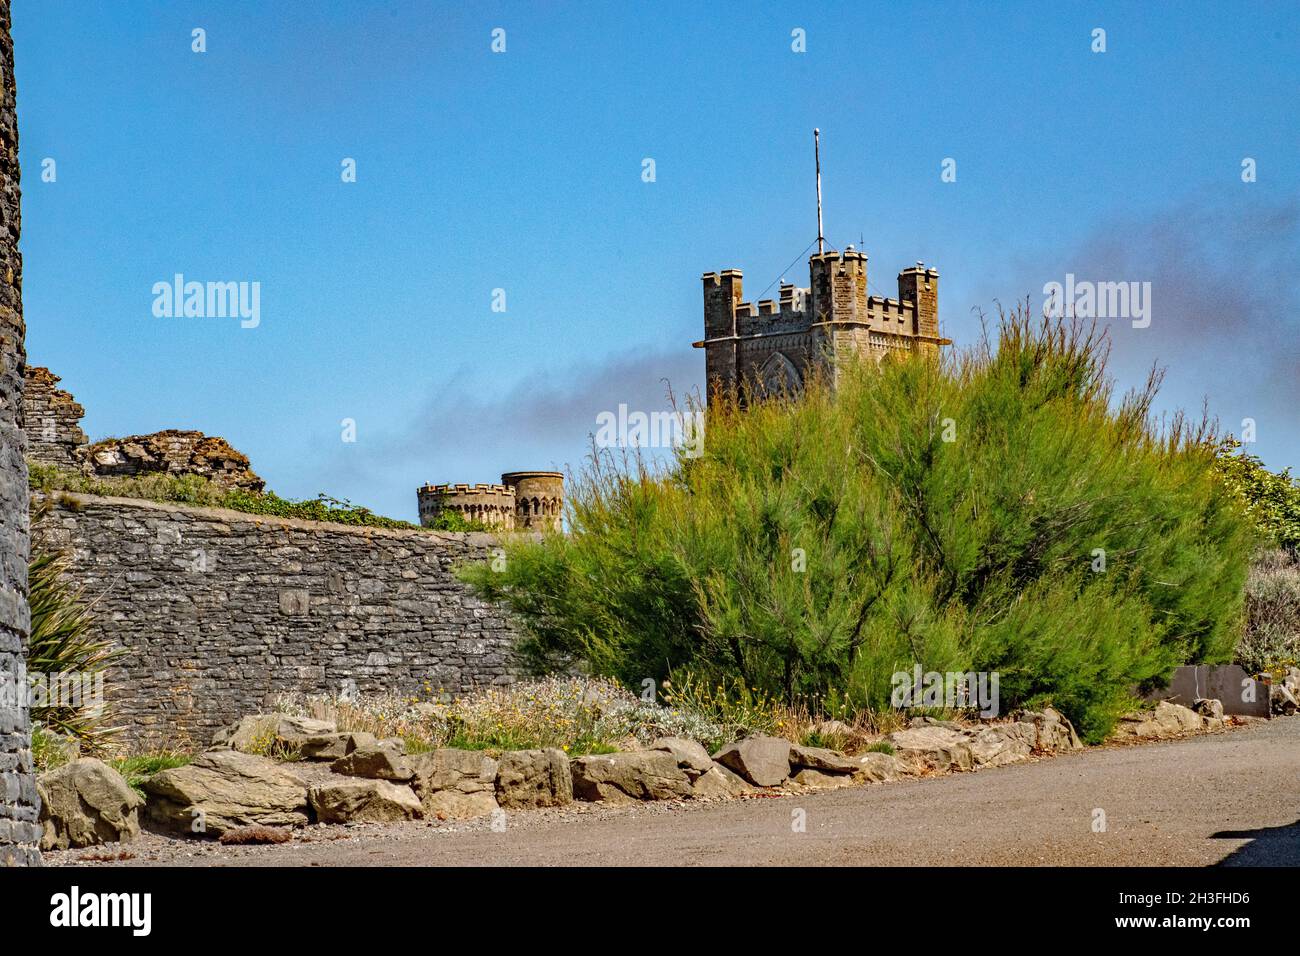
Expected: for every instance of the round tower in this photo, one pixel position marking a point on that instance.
(492, 506)
(539, 499)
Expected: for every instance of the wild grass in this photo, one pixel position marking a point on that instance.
(1271, 641)
(575, 714)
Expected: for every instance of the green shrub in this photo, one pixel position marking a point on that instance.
(1272, 499)
(950, 514)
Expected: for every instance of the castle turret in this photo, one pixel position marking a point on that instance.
(839, 286)
(539, 499)
(492, 506)
(920, 286)
(722, 296)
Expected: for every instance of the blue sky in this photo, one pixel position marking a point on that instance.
(522, 170)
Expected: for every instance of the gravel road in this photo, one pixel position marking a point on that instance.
(1231, 798)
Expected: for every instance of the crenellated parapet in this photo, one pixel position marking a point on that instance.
(524, 500)
(772, 344)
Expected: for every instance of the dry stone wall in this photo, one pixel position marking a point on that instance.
(19, 804)
(221, 611)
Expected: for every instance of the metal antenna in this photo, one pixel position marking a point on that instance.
(817, 155)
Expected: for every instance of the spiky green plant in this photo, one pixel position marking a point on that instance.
(64, 641)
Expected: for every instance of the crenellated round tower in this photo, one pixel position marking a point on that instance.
(539, 499)
(492, 506)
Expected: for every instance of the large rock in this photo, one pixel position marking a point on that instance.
(691, 756)
(932, 747)
(996, 745)
(718, 782)
(1209, 707)
(85, 803)
(875, 767)
(383, 761)
(454, 784)
(623, 777)
(763, 761)
(224, 789)
(1177, 718)
(1283, 701)
(534, 778)
(1167, 720)
(1053, 730)
(822, 760)
(363, 800)
(263, 733)
(809, 779)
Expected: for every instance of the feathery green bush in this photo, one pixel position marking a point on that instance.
(993, 511)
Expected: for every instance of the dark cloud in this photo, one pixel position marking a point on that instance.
(467, 431)
(1225, 308)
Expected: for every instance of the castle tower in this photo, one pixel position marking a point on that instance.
(920, 286)
(492, 506)
(722, 294)
(539, 499)
(773, 347)
(839, 286)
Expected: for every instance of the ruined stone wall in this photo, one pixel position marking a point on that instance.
(18, 801)
(51, 419)
(221, 611)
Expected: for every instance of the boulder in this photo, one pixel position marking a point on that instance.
(224, 789)
(534, 778)
(995, 745)
(1053, 731)
(1211, 710)
(1283, 701)
(876, 767)
(1142, 726)
(86, 803)
(809, 779)
(623, 777)
(380, 762)
(691, 756)
(1292, 681)
(1177, 718)
(763, 761)
(933, 748)
(1167, 720)
(331, 747)
(454, 784)
(363, 800)
(821, 759)
(717, 782)
(260, 733)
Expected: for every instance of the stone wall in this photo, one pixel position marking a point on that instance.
(18, 800)
(51, 419)
(221, 611)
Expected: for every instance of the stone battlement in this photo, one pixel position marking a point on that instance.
(770, 346)
(525, 500)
